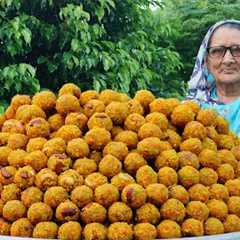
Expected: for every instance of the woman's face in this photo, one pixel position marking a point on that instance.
(226, 68)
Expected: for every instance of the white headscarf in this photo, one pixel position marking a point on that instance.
(202, 82)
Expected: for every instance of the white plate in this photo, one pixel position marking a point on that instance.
(226, 236)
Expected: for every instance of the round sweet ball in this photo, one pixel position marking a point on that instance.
(120, 212)
(234, 205)
(146, 175)
(20, 99)
(150, 130)
(218, 209)
(38, 127)
(117, 111)
(134, 121)
(70, 230)
(87, 96)
(54, 196)
(56, 121)
(76, 118)
(233, 187)
(95, 179)
(55, 145)
(188, 176)
(10, 192)
(194, 129)
(101, 120)
(17, 140)
(45, 100)
(130, 138)
(117, 149)
(46, 178)
(70, 88)
(21, 228)
(39, 212)
(121, 180)
(173, 209)
(95, 230)
(209, 158)
(169, 229)
(133, 161)
(85, 166)
(25, 113)
(31, 195)
(219, 191)
(45, 230)
(7, 174)
(149, 147)
(199, 192)
(13, 210)
(68, 132)
(16, 158)
(232, 223)
(70, 179)
(93, 106)
(148, 213)
(93, 212)
(145, 97)
(181, 115)
(225, 172)
(120, 231)
(67, 211)
(159, 119)
(59, 162)
(67, 103)
(144, 231)
(25, 177)
(107, 96)
(213, 226)
(207, 117)
(36, 159)
(168, 158)
(97, 138)
(4, 227)
(180, 193)
(197, 210)
(110, 160)
(13, 126)
(208, 176)
(167, 176)
(82, 195)
(157, 193)
(134, 106)
(134, 195)
(4, 152)
(106, 194)
(192, 227)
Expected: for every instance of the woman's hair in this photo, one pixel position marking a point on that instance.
(225, 25)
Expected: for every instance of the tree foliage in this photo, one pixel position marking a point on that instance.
(94, 43)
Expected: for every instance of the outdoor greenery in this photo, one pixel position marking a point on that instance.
(123, 45)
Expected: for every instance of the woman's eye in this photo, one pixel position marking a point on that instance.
(236, 51)
(217, 51)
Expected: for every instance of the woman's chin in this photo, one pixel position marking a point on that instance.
(229, 78)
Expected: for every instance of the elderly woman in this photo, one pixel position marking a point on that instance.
(215, 81)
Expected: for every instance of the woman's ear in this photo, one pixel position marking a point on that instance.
(206, 62)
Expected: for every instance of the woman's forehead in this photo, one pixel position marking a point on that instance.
(225, 36)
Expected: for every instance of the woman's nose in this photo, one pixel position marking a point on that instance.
(228, 57)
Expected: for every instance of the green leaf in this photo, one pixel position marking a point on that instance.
(100, 13)
(26, 35)
(75, 45)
